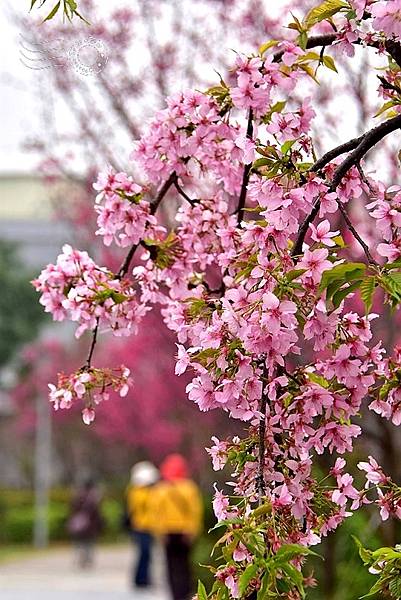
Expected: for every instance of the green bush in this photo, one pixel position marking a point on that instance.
(17, 515)
(17, 524)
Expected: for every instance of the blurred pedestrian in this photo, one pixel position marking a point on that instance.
(178, 506)
(141, 518)
(85, 522)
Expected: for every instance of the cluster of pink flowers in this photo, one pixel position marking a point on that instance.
(122, 213)
(191, 139)
(387, 213)
(76, 288)
(89, 386)
(387, 17)
(291, 125)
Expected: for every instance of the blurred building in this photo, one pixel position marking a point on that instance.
(27, 218)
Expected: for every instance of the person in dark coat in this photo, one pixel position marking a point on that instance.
(85, 522)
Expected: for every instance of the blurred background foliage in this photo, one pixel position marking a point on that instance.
(20, 313)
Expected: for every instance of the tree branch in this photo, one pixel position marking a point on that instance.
(182, 193)
(364, 143)
(261, 484)
(93, 344)
(356, 235)
(313, 42)
(153, 208)
(247, 171)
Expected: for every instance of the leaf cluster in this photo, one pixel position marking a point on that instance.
(69, 9)
(386, 564)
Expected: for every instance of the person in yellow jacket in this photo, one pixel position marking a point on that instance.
(141, 518)
(178, 511)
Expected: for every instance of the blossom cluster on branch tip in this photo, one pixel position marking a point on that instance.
(76, 288)
(89, 386)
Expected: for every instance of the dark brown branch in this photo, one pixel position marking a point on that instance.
(332, 154)
(261, 484)
(153, 208)
(247, 172)
(365, 143)
(93, 344)
(356, 235)
(369, 140)
(394, 49)
(184, 194)
(313, 42)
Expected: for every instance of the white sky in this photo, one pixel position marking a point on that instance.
(21, 114)
(17, 94)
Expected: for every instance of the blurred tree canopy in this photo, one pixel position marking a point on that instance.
(20, 313)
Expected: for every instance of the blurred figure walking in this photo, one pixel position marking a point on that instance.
(141, 518)
(85, 522)
(178, 510)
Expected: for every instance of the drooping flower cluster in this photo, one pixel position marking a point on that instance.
(88, 386)
(76, 288)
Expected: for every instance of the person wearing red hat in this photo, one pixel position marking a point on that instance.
(178, 510)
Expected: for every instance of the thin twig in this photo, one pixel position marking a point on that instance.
(261, 484)
(366, 142)
(184, 194)
(153, 208)
(247, 171)
(356, 235)
(93, 344)
(365, 180)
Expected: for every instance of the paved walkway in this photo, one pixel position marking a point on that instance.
(51, 575)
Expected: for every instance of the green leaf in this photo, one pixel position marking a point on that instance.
(261, 162)
(339, 241)
(287, 146)
(247, 576)
(325, 10)
(386, 106)
(340, 295)
(33, 4)
(264, 47)
(315, 378)
(264, 587)
(329, 63)
(295, 577)
(391, 282)
(294, 274)
(366, 555)
(395, 587)
(367, 289)
(343, 272)
(289, 551)
(377, 587)
(302, 40)
(392, 265)
(202, 594)
(53, 11)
